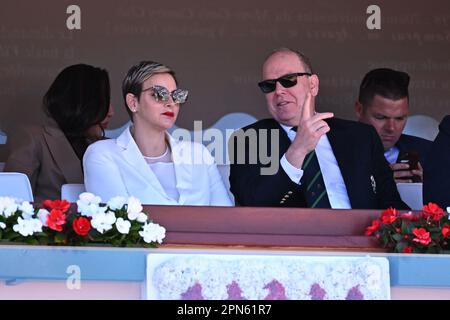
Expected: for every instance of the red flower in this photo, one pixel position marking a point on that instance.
(374, 227)
(429, 230)
(388, 216)
(446, 231)
(433, 210)
(81, 226)
(408, 249)
(422, 236)
(61, 205)
(56, 219)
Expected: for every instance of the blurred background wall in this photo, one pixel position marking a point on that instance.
(217, 48)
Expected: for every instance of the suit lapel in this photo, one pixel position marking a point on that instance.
(63, 154)
(183, 168)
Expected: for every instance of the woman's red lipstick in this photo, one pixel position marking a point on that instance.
(169, 114)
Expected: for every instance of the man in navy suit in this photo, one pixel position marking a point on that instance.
(436, 182)
(324, 162)
(383, 102)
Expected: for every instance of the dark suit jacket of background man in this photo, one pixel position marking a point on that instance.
(359, 154)
(410, 143)
(436, 174)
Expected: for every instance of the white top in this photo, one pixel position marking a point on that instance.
(332, 176)
(165, 173)
(116, 167)
(164, 170)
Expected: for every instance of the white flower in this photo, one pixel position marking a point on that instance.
(448, 209)
(88, 204)
(27, 210)
(27, 227)
(91, 210)
(7, 206)
(42, 215)
(123, 226)
(152, 232)
(88, 198)
(103, 221)
(134, 208)
(2, 225)
(116, 203)
(36, 225)
(142, 217)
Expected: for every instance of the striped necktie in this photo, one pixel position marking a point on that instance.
(312, 182)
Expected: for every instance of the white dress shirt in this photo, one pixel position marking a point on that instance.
(331, 173)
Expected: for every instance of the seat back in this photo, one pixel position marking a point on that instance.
(216, 137)
(411, 194)
(16, 185)
(422, 126)
(3, 137)
(114, 133)
(71, 191)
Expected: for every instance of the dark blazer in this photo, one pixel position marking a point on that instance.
(436, 174)
(45, 155)
(409, 143)
(358, 151)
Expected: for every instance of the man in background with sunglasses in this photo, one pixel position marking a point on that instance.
(324, 162)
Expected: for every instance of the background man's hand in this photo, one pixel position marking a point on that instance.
(402, 173)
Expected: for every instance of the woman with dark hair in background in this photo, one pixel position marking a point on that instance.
(78, 108)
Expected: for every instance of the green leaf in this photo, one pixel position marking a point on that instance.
(400, 246)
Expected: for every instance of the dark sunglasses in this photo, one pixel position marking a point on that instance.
(162, 94)
(287, 81)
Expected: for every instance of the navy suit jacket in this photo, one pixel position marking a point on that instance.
(359, 154)
(412, 143)
(436, 174)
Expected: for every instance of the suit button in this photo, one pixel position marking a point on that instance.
(289, 192)
(282, 201)
(286, 196)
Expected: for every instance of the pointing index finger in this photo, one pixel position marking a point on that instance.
(308, 107)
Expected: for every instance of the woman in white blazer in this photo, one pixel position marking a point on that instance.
(145, 161)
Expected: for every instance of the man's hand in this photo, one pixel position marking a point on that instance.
(403, 174)
(310, 128)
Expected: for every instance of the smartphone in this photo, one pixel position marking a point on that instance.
(411, 158)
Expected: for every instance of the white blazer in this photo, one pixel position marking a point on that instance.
(116, 167)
